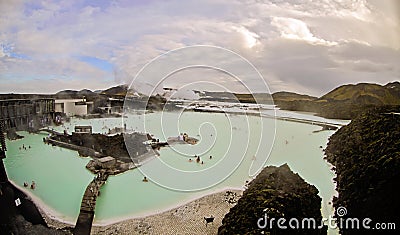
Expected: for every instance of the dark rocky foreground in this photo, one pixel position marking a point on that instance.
(22, 219)
(18, 214)
(366, 155)
(279, 193)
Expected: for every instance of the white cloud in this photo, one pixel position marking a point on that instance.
(250, 38)
(303, 46)
(298, 30)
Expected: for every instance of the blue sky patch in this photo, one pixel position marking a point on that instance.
(98, 63)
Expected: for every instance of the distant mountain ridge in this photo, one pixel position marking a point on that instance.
(290, 96)
(365, 93)
(84, 92)
(116, 91)
(120, 90)
(346, 101)
(67, 92)
(343, 102)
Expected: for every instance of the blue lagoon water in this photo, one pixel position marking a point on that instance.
(239, 146)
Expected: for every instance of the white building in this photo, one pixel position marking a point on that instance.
(72, 107)
(114, 106)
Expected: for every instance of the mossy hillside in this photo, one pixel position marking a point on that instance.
(366, 156)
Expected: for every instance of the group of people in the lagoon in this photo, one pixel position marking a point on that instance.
(198, 160)
(33, 185)
(183, 137)
(24, 147)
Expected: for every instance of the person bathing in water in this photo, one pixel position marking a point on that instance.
(33, 185)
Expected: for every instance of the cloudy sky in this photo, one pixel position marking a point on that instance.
(305, 46)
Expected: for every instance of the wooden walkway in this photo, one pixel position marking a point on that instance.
(84, 222)
(324, 125)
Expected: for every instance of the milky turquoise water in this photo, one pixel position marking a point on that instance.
(239, 145)
(60, 175)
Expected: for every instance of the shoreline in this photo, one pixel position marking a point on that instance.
(143, 215)
(56, 220)
(187, 218)
(50, 215)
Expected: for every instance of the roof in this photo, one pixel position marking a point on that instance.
(106, 159)
(59, 101)
(35, 99)
(83, 126)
